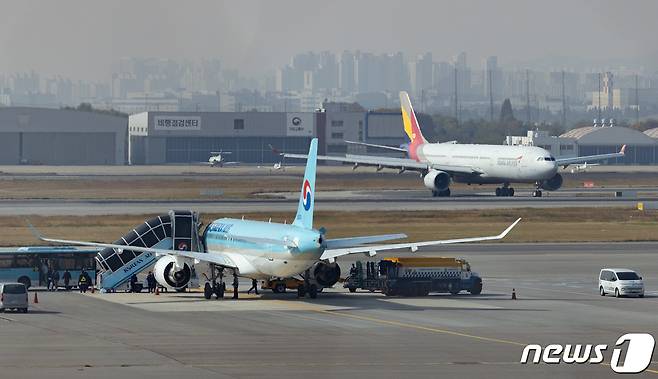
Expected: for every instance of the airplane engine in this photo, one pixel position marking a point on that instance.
(437, 180)
(553, 183)
(325, 274)
(166, 274)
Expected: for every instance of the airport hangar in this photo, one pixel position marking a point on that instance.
(189, 137)
(61, 137)
(641, 148)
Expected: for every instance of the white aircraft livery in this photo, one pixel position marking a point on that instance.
(265, 250)
(442, 163)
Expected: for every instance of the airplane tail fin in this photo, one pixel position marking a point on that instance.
(304, 217)
(411, 126)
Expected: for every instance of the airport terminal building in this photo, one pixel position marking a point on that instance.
(61, 137)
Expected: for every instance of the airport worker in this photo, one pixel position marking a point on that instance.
(83, 283)
(55, 280)
(49, 279)
(133, 283)
(151, 281)
(254, 286)
(67, 279)
(236, 284)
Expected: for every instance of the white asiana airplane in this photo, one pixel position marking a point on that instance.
(442, 163)
(263, 250)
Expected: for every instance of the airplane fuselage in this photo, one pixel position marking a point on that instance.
(497, 163)
(238, 239)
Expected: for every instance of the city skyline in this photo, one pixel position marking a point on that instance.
(259, 37)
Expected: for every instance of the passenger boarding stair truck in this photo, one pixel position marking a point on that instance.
(415, 276)
(177, 230)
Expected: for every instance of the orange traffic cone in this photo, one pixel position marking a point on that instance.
(157, 290)
(513, 294)
(36, 298)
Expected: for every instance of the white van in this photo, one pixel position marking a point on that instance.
(620, 282)
(13, 296)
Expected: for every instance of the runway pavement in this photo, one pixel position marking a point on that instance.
(341, 335)
(52, 207)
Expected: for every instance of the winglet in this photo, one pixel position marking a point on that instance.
(509, 229)
(34, 230)
(623, 150)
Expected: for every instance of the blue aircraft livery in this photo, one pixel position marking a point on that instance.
(304, 217)
(306, 193)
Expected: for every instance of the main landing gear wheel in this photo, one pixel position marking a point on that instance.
(505, 191)
(313, 291)
(207, 291)
(444, 193)
(279, 288)
(219, 290)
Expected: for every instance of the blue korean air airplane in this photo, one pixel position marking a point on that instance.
(265, 250)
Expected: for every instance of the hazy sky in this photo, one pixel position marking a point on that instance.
(81, 38)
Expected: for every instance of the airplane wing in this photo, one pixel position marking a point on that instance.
(216, 258)
(355, 241)
(402, 164)
(375, 145)
(332, 254)
(588, 158)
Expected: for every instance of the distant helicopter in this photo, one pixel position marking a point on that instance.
(217, 159)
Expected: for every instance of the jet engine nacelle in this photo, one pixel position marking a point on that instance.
(553, 183)
(437, 180)
(169, 275)
(325, 274)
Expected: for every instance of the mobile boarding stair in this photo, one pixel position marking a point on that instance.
(175, 230)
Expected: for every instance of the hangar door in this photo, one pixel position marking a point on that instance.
(69, 148)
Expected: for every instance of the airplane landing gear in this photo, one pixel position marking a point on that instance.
(213, 287)
(505, 191)
(444, 193)
(308, 288)
(537, 191)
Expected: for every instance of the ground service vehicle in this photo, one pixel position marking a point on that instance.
(280, 285)
(13, 296)
(414, 276)
(620, 282)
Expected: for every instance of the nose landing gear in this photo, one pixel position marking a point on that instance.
(213, 287)
(537, 192)
(505, 191)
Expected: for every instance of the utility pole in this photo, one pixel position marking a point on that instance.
(455, 95)
(564, 103)
(637, 102)
(599, 107)
(527, 94)
(491, 107)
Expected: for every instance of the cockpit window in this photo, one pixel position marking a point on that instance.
(549, 159)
